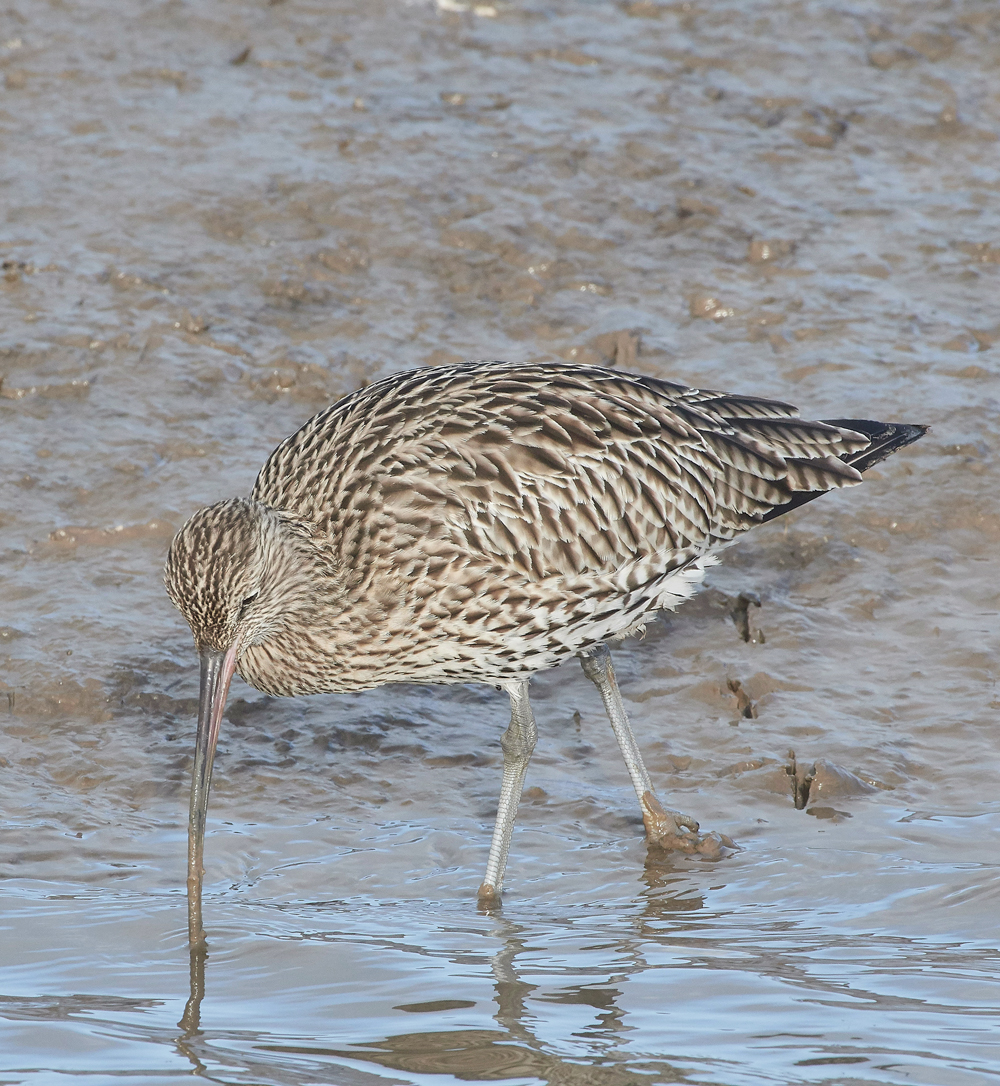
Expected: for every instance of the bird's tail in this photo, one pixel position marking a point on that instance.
(885, 438)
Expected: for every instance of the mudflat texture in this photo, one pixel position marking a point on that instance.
(215, 219)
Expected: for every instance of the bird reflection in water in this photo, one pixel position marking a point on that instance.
(513, 1050)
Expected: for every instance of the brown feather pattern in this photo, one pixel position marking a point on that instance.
(480, 522)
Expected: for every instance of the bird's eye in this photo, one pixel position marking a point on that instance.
(246, 603)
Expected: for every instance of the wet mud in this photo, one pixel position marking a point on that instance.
(216, 219)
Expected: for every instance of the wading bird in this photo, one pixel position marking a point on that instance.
(482, 522)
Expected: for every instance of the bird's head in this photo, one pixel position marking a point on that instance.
(240, 573)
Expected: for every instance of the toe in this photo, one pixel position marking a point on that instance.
(715, 846)
(674, 830)
(685, 820)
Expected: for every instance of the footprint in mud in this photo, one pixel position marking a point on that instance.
(740, 614)
(822, 780)
(829, 812)
(745, 705)
(812, 785)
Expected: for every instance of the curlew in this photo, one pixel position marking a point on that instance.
(480, 523)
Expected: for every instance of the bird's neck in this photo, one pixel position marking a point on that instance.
(340, 629)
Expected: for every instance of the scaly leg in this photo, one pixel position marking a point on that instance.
(517, 742)
(664, 827)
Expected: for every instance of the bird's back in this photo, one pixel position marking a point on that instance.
(491, 518)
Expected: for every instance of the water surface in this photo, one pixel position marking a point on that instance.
(202, 245)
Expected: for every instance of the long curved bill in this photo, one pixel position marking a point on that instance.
(217, 669)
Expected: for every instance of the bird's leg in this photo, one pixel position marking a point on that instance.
(517, 743)
(664, 827)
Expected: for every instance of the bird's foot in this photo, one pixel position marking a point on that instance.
(674, 830)
(488, 897)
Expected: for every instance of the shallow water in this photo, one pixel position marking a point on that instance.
(202, 246)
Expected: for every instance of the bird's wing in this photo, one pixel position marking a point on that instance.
(545, 472)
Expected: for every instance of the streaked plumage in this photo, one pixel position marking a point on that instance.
(481, 522)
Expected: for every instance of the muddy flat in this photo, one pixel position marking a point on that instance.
(216, 219)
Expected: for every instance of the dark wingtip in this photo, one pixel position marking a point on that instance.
(885, 437)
